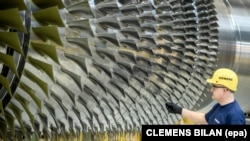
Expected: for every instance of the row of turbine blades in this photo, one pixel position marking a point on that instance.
(73, 66)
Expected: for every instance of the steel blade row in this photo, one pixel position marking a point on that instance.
(101, 66)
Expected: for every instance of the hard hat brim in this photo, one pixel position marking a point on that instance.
(210, 81)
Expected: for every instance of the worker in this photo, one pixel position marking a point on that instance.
(226, 111)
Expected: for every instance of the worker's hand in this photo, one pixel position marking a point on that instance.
(173, 108)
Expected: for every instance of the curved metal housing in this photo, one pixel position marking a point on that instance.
(234, 43)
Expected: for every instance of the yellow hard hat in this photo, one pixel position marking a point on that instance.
(225, 77)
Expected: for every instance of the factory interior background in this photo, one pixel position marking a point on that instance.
(96, 70)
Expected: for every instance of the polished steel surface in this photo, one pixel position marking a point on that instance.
(234, 43)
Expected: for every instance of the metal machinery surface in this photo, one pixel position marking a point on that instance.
(76, 66)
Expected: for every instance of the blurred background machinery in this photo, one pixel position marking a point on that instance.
(99, 69)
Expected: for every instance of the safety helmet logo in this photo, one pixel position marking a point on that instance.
(226, 78)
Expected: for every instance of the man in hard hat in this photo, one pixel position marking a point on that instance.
(226, 111)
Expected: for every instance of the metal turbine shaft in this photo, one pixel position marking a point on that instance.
(76, 66)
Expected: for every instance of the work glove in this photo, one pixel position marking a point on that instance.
(173, 108)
